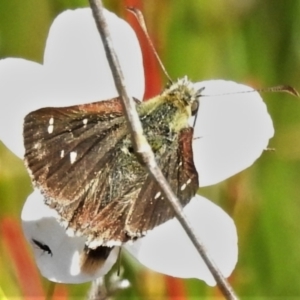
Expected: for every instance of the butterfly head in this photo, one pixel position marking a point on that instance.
(177, 103)
(183, 93)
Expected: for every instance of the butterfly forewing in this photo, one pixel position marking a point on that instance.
(81, 158)
(61, 143)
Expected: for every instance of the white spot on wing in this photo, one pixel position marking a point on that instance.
(51, 126)
(85, 121)
(157, 195)
(62, 153)
(37, 145)
(185, 184)
(50, 129)
(73, 156)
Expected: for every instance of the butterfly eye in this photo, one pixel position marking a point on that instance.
(42, 246)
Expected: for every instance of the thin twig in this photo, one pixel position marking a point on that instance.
(144, 150)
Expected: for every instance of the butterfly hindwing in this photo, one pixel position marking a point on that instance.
(177, 165)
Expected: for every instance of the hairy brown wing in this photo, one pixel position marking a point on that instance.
(150, 208)
(66, 150)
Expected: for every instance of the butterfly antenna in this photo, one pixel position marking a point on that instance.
(281, 88)
(140, 18)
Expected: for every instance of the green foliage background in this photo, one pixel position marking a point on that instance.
(251, 41)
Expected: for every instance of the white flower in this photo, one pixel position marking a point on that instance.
(231, 132)
(62, 259)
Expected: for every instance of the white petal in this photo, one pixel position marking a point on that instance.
(64, 265)
(21, 88)
(167, 249)
(232, 130)
(75, 71)
(75, 55)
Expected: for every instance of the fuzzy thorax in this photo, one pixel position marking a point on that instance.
(173, 107)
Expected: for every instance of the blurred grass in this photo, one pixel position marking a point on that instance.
(250, 41)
